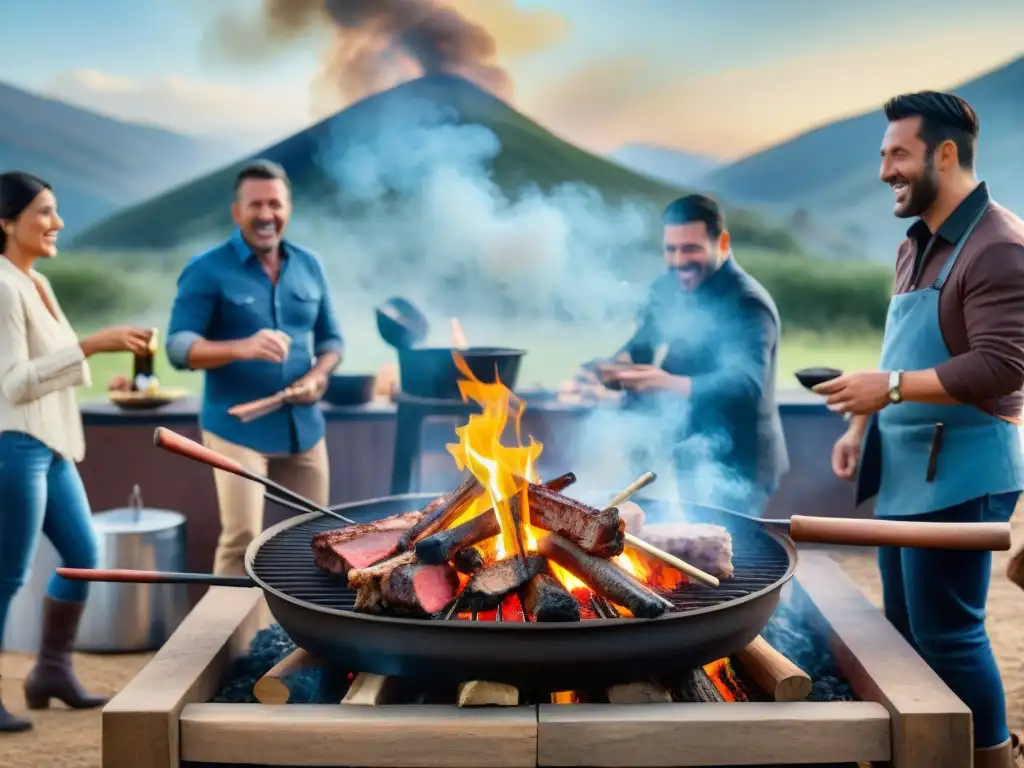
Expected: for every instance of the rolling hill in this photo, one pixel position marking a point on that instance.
(671, 166)
(529, 156)
(96, 164)
(831, 172)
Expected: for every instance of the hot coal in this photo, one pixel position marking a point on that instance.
(487, 588)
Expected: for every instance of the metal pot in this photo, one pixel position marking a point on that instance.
(431, 372)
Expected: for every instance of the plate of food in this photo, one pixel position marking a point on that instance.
(147, 395)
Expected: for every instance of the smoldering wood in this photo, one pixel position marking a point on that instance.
(545, 599)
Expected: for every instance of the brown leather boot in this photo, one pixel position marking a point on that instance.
(52, 676)
(999, 756)
(12, 723)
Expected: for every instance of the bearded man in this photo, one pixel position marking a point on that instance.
(934, 432)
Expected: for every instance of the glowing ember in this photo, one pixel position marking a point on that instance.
(722, 675)
(564, 697)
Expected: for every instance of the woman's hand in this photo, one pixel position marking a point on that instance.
(118, 338)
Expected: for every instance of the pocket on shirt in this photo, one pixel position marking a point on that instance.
(243, 313)
(302, 306)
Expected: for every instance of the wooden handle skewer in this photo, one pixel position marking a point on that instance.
(257, 408)
(690, 570)
(458, 335)
(774, 673)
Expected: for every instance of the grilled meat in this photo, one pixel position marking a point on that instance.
(599, 532)
(357, 546)
(702, 545)
(488, 587)
(419, 589)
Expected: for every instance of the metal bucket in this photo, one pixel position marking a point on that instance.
(122, 618)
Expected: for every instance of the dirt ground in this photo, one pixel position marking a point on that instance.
(65, 739)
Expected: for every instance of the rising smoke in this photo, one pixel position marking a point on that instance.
(562, 265)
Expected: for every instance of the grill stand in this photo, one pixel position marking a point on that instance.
(907, 717)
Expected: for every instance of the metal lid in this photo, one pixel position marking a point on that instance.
(137, 519)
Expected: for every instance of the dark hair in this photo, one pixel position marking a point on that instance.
(693, 208)
(261, 169)
(944, 117)
(17, 191)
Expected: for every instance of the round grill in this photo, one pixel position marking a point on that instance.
(285, 563)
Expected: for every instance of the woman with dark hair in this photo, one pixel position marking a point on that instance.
(41, 436)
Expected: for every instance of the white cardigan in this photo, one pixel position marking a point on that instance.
(41, 363)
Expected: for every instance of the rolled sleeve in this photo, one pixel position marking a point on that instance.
(327, 336)
(191, 312)
(743, 367)
(993, 309)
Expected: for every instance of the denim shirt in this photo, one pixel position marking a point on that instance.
(224, 295)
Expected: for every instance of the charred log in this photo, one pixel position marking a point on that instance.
(440, 547)
(487, 588)
(468, 560)
(697, 687)
(599, 532)
(546, 599)
(419, 589)
(604, 577)
(447, 510)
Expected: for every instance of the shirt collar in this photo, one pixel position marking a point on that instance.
(244, 251)
(954, 227)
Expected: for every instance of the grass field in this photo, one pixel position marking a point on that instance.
(552, 358)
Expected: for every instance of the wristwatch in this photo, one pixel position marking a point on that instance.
(894, 386)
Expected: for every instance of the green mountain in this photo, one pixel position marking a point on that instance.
(827, 178)
(529, 156)
(96, 164)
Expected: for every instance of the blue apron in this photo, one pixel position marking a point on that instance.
(918, 457)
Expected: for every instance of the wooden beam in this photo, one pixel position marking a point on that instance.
(140, 724)
(273, 688)
(369, 690)
(425, 736)
(930, 725)
(691, 735)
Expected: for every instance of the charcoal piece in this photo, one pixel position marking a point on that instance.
(697, 687)
(468, 560)
(545, 599)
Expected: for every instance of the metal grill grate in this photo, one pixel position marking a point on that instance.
(285, 563)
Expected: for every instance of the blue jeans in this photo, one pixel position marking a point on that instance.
(936, 599)
(41, 492)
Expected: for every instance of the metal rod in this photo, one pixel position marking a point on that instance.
(669, 559)
(128, 576)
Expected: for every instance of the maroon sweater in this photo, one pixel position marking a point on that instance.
(981, 307)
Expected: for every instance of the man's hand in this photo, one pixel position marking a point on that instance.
(651, 378)
(309, 389)
(266, 344)
(846, 454)
(859, 393)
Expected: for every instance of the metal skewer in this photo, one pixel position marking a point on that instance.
(692, 571)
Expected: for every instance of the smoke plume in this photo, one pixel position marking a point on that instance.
(377, 44)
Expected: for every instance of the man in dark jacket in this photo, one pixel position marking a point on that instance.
(716, 330)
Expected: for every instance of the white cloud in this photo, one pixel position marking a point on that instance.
(187, 106)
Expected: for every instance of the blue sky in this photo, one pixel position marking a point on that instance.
(723, 77)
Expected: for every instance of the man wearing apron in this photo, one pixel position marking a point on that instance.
(934, 433)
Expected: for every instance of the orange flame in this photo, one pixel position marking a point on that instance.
(504, 471)
(722, 675)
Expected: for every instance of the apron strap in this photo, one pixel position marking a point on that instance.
(951, 261)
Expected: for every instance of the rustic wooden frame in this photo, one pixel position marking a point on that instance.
(907, 717)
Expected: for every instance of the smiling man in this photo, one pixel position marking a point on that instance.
(934, 433)
(255, 314)
(712, 393)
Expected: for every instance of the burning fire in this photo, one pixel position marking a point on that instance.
(504, 472)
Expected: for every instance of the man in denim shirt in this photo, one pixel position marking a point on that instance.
(255, 314)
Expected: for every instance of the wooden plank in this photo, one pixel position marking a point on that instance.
(691, 735)
(931, 727)
(369, 690)
(424, 736)
(140, 724)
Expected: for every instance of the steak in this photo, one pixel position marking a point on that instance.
(702, 545)
(597, 531)
(419, 589)
(358, 546)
